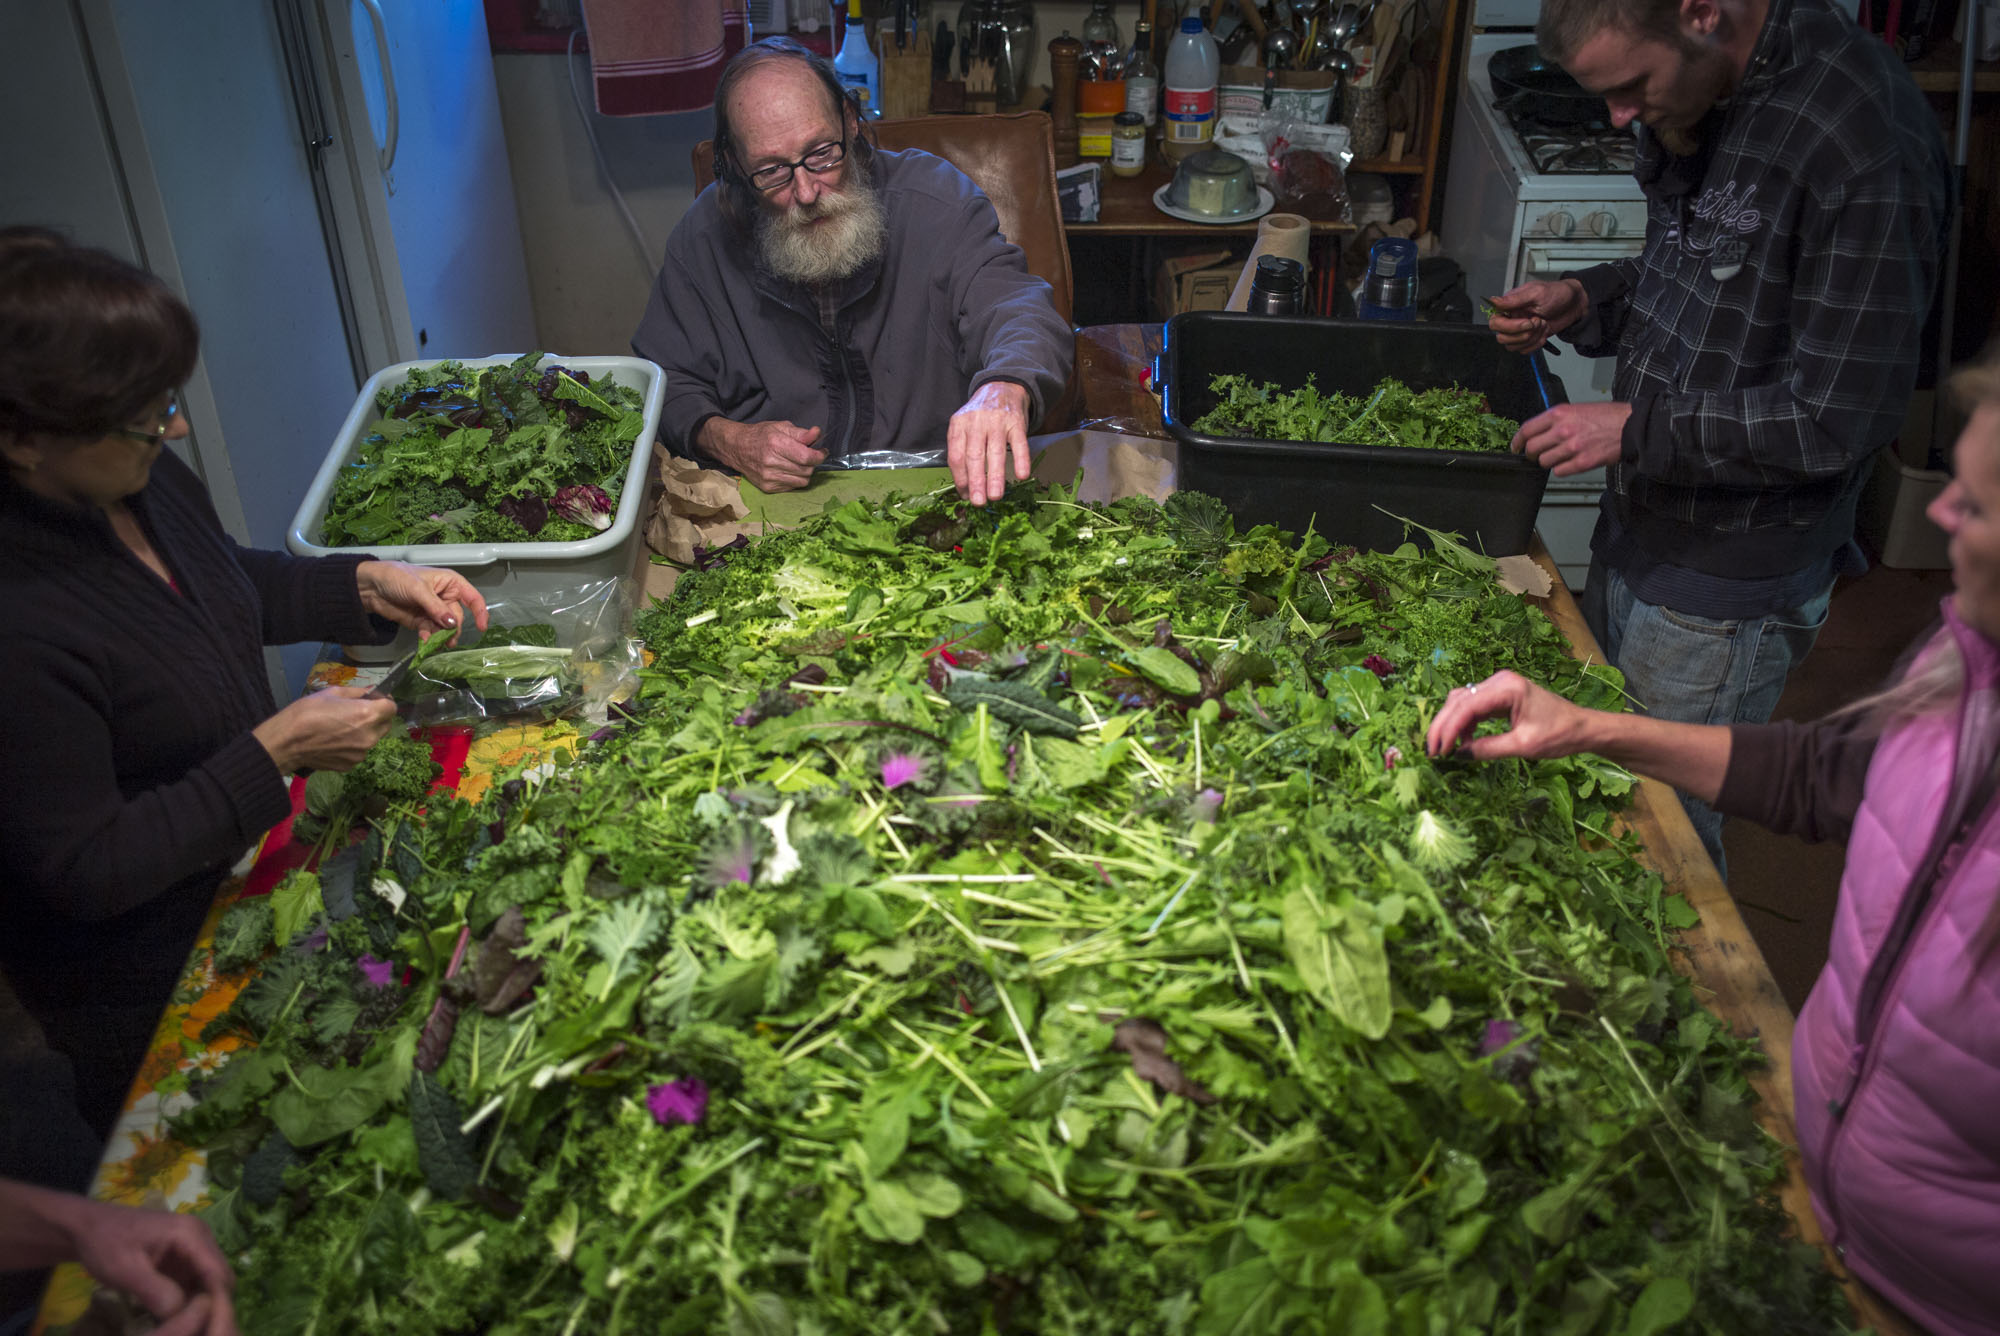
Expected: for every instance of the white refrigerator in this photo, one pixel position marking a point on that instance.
(325, 181)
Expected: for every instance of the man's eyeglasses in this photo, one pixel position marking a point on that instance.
(163, 424)
(823, 159)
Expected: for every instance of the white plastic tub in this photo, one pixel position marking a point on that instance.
(502, 569)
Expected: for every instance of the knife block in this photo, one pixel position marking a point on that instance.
(906, 75)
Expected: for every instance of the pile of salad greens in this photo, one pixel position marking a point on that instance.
(508, 453)
(1444, 418)
(1040, 919)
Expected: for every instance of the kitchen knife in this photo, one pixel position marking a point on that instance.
(400, 671)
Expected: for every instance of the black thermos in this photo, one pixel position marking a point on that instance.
(1278, 287)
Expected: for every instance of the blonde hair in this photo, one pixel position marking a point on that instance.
(1935, 678)
(1936, 671)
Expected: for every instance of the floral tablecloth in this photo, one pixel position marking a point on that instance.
(143, 1164)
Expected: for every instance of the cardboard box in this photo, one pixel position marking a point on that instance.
(1892, 519)
(1200, 281)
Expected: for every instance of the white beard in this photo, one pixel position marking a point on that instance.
(853, 234)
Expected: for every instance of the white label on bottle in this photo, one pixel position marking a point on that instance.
(1190, 115)
(1140, 96)
(1128, 152)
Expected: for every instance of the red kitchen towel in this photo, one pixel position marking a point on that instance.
(280, 853)
(648, 57)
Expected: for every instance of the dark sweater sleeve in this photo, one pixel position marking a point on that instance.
(1006, 316)
(67, 830)
(1798, 779)
(311, 598)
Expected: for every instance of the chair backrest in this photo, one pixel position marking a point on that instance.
(1011, 156)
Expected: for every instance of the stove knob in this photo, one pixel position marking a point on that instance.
(1559, 224)
(1603, 223)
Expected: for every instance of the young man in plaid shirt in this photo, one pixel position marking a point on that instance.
(1767, 338)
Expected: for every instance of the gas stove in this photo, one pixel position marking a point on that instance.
(1594, 149)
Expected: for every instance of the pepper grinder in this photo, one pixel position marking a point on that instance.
(1064, 52)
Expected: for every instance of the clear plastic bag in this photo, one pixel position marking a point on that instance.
(545, 654)
(1308, 167)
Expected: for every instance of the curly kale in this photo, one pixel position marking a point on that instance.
(243, 934)
(398, 768)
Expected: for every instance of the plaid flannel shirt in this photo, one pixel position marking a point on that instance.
(1767, 337)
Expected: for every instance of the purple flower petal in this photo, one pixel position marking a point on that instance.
(380, 973)
(1499, 1035)
(683, 1101)
(900, 768)
(1207, 804)
(1390, 757)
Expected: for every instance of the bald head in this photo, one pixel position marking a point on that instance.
(778, 112)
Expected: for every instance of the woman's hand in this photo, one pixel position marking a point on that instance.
(166, 1261)
(1541, 724)
(424, 597)
(328, 730)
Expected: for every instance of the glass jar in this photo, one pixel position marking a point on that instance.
(1128, 144)
(1100, 41)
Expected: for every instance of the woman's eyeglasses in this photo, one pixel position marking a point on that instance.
(825, 158)
(162, 425)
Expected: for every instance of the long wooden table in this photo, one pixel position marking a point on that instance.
(145, 1166)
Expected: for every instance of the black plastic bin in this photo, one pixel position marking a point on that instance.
(1489, 500)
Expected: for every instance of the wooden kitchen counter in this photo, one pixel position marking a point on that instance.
(1126, 209)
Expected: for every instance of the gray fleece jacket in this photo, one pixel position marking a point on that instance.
(881, 361)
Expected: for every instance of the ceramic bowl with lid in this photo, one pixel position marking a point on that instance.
(1215, 184)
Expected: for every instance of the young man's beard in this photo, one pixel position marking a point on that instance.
(827, 240)
(1681, 143)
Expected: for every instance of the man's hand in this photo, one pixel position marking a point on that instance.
(774, 456)
(993, 422)
(1570, 438)
(1525, 318)
(426, 598)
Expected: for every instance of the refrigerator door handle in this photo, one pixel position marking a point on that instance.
(391, 132)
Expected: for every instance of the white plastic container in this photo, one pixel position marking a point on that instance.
(1193, 68)
(856, 64)
(495, 569)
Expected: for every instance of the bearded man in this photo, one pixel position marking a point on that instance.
(828, 303)
(1767, 338)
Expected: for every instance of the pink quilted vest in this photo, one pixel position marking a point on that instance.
(1907, 1180)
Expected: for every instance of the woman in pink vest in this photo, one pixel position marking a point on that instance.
(1896, 1061)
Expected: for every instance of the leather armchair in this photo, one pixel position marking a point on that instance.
(1011, 157)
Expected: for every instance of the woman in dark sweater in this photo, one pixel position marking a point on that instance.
(144, 752)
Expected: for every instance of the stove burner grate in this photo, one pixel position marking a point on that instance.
(1590, 149)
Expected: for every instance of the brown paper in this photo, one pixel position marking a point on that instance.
(695, 506)
(1114, 465)
(1285, 234)
(1523, 575)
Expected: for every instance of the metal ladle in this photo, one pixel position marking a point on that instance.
(1341, 64)
(1281, 49)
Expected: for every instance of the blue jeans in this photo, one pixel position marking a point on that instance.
(1700, 670)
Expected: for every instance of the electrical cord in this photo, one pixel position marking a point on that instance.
(597, 150)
